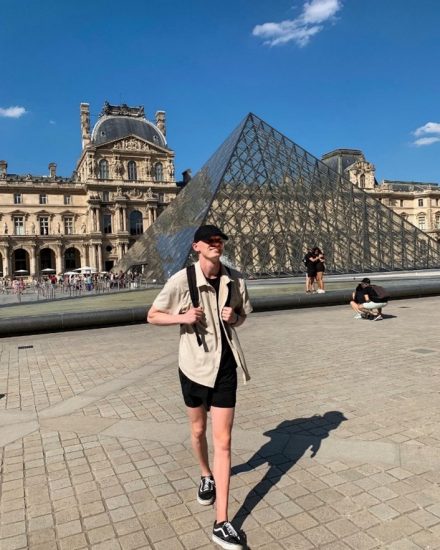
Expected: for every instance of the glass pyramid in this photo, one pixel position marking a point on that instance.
(274, 200)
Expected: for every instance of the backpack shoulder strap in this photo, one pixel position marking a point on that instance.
(228, 299)
(192, 284)
(194, 293)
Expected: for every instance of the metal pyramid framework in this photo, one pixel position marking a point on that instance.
(274, 200)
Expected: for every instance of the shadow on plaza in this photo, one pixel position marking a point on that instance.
(288, 442)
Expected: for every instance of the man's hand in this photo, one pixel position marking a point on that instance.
(192, 316)
(229, 315)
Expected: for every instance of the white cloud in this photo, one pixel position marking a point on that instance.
(421, 142)
(303, 27)
(428, 128)
(12, 112)
(431, 133)
(52, 122)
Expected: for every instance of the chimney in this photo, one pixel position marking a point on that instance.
(85, 124)
(160, 122)
(52, 169)
(3, 169)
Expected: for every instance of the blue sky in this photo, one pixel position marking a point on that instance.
(327, 73)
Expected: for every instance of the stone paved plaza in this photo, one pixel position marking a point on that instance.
(336, 443)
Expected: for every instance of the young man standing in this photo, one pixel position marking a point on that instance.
(209, 354)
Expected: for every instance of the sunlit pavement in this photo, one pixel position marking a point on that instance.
(336, 442)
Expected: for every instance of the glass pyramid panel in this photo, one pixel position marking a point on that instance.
(274, 199)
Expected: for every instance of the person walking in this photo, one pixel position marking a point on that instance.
(209, 355)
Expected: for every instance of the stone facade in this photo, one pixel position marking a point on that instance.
(417, 202)
(122, 182)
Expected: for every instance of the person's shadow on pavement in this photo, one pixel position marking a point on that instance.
(288, 443)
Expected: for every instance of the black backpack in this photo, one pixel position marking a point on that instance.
(194, 293)
(381, 294)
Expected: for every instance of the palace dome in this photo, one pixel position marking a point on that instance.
(111, 128)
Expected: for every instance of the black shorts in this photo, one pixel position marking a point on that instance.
(223, 394)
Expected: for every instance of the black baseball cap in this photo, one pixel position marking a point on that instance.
(205, 232)
(366, 281)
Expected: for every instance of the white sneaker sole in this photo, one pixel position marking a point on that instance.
(226, 545)
(205, 502)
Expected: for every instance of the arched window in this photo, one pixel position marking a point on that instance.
(103, 169)
(421, 220)
(136, 225)
(437, 220)
(132, 171)
(158, 171)
(362, 181)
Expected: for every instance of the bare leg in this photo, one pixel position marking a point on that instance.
(222, 420)
(355, 307)
(197, 418)
(320, 280)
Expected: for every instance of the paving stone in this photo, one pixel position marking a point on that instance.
(128, 488)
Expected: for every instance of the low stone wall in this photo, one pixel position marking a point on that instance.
(92, 319)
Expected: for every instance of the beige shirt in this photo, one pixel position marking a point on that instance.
(201, 363)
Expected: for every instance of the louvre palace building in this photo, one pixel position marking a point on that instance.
(416, 202)
(123, 180)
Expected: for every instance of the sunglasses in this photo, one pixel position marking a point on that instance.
(214, 241)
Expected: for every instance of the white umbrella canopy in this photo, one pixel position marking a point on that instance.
(22, 271)
(85, 269)
(48, 270)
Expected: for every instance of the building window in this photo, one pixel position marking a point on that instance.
(437, 202)
(362, 181)
(158, 171)
(43, 198)
(136, 224)
(19, 225)
(18, 198)
(107, 223)
(420, 202)
(68, 225)
(161, 197)
(67, 199)
(132, 171)
(105, 196)
(402, 203)
(103, 170)
(44, 225)
(421, 219)
(437, 220)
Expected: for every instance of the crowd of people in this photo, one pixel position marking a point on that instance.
(66, 282)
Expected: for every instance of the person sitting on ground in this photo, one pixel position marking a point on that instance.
(375, 299)
(357, 299)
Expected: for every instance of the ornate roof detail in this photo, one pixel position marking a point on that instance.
(122, 110)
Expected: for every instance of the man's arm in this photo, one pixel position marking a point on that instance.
(162, 318)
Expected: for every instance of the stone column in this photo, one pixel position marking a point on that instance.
(33, 267)
(98, 257)
(120, 219)
(59, 260)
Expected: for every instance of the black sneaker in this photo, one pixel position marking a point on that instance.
(206, 492)
(226, 536)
